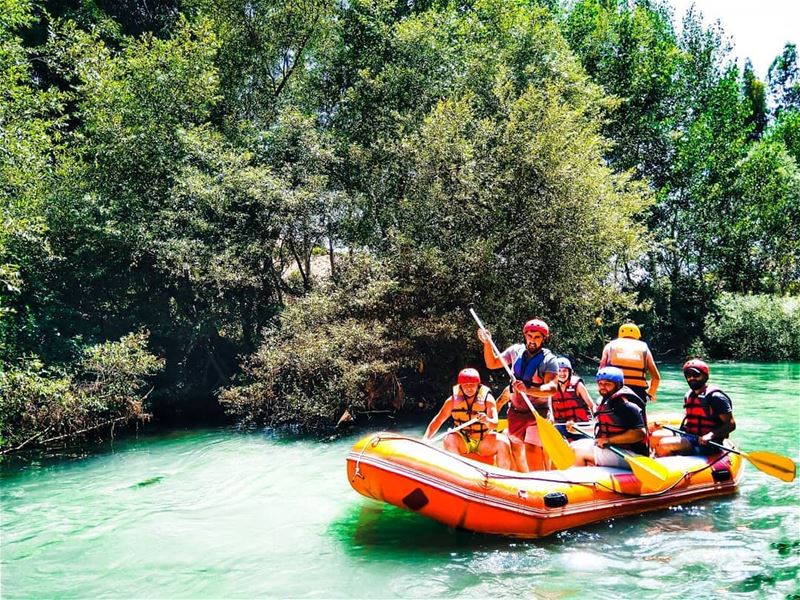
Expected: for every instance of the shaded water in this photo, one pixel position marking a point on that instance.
(215, 513)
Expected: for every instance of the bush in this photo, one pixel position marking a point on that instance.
(320, 362)
(39, 404)
(760, 327)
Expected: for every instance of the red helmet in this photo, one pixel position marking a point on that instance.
(697, 365)
(469, 376)
(536, 325)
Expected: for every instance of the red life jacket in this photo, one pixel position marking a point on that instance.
(700, 417)
(608, 425)
(465, 408)
(568, 405)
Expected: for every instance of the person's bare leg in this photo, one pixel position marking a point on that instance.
(674, 444)
(497, 445)
(454, 443)
(518, 452)
(584, 452)
(537, 458)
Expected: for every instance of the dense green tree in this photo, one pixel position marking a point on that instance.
(100, 278)
(754, 326)
(764, 229)
(784, 80)
(632, 51)
(265, 49)
(756, 96)
(787, 128)
(113, 19)
(30, 133)
(498, 196)
(177, 167)
(686, 125)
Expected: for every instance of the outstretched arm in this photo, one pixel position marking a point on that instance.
(585, 396)
(631, 436)
(439, 419)
(492, 361)
(539, 393)
(605, 358)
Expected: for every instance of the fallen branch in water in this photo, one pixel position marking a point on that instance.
(112, 422)
(25, 443)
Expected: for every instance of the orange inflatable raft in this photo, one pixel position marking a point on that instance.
(471, 495)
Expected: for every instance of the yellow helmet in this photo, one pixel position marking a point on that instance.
(629, 330)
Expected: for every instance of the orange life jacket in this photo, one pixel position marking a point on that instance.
(466, 407)
(631, 356)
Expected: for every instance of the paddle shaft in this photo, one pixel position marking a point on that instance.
(777, 465)
(435, 439)
(710, 443)
(614, 449)
(578, 424)
(647, 470)
(505, 365)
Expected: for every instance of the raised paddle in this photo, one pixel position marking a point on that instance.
(650, 472)
(776, 465)
(435, 439)
(553, 442)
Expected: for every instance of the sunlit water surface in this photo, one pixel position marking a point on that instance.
(217, 513)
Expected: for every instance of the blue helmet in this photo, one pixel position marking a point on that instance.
(563, 363)
(612, 374)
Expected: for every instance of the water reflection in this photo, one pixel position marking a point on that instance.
(368, 527)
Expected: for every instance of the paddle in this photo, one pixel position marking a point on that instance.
(650, 472)
(776, 465)
(435, 439)
(553, 442)
(578, 424)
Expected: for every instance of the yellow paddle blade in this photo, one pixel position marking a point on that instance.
(776, 465)
(650, 472)
(554, 444)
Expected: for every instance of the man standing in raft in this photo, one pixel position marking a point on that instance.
(619, 423)
(629, 353)
(471, 400)
(536, 372)
(709, 416)
(572, 401)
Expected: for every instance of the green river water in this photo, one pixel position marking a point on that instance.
(221, 514)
